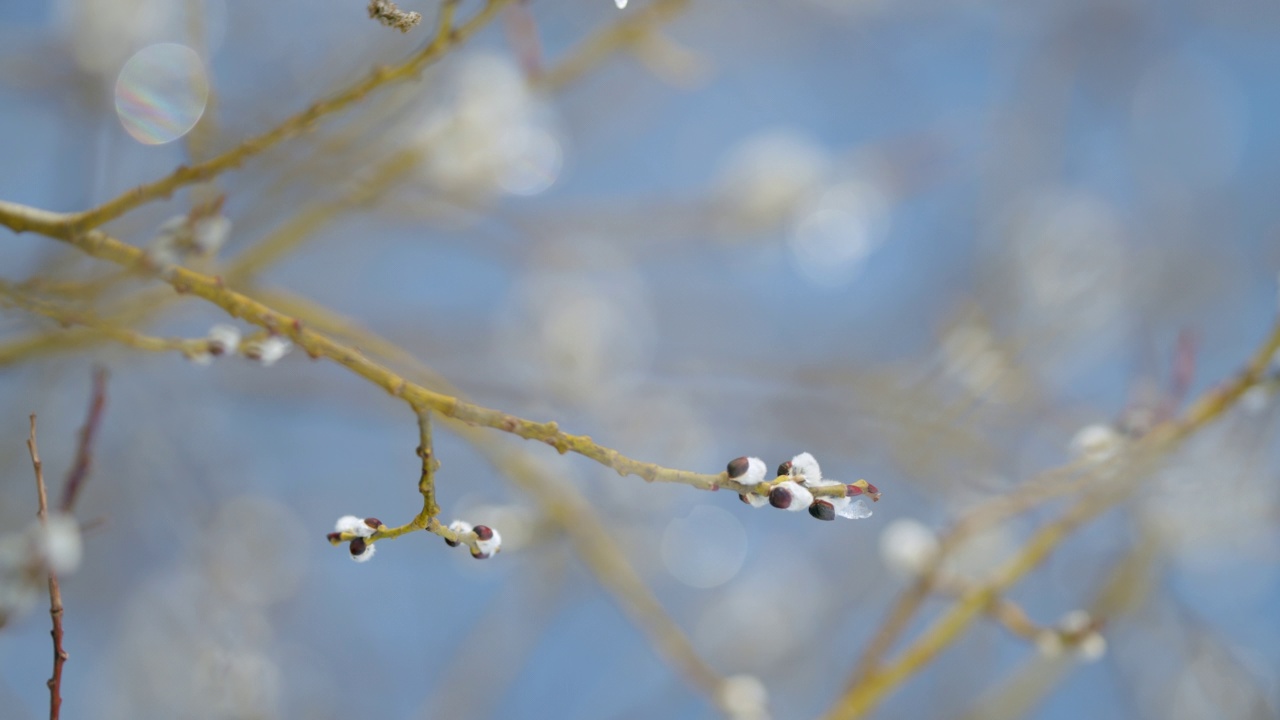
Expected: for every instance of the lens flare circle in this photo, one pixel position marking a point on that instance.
(161, 93)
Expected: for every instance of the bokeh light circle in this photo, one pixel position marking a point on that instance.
(161, 93)
(706, 548)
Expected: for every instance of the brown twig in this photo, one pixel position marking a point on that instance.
(84, 449)
(427, 483)
(55, 593)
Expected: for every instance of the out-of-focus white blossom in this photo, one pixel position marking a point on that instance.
(101, 35)
(1096, 443)
(495, 135)
(835, 231)
(223, 339)
(268, 350)
(26, 555)
(181, 235)
(60, 544)
(907, 547)
(620, 3)
(744, 697)
(767, 176)
(210, 233)
(1075, 622)
(1092, 647)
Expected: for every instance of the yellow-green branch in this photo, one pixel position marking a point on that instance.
(104, 247)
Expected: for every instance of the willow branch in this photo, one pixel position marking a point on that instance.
(104, 247)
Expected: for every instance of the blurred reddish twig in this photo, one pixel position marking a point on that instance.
(84, 456)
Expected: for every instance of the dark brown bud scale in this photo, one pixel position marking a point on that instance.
(374, 523)
(451, 543)
(479, 555)
(358, 546)
(785, 468)
(738, 467)
(334, 537)
(780, 498)
(852, 490)
(483, 532)
(822, 510)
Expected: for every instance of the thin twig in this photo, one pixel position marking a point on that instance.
(84, 448)
(55, 593)
(427, 483)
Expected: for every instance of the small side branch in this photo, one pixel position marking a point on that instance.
(427, 483)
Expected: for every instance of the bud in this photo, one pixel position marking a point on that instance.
(268, 350)
(223, 339)
(459, 527)
(373, 523)
(361, 550)
(790, 495)
(747, 470)
(488, 542)
(1092, 647)
(822, 510)
(352, 525)
(805, 468)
